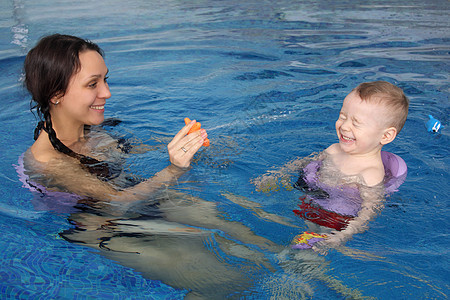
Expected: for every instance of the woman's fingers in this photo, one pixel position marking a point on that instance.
(182, 149)
(182, 156)
(192, 145)
(182, 133)
(195, 127)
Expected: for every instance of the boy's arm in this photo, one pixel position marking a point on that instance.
(272, 180)
(372, 204)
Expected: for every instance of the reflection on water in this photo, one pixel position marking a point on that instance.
(19, 30)
(186, 242)
(180, 240)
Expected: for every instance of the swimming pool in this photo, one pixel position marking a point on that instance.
(267, 80)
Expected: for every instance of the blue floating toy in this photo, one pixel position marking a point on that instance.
(433, 125)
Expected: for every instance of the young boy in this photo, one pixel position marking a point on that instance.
(371, 116)
(344, 184)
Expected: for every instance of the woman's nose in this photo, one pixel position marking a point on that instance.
(105, 92)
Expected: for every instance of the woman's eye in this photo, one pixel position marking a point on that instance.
(106, 78)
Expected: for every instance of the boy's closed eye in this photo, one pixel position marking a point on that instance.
(356, 123)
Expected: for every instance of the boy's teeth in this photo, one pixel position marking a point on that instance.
(346, 138)
(97, 106)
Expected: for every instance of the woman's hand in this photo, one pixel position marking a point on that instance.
(183, 147)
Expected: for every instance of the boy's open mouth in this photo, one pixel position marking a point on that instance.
(346, 139)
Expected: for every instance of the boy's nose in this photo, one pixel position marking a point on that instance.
(346, 125)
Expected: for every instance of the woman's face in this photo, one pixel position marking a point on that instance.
(85, 98)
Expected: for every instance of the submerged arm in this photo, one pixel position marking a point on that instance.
(272, 180)
(67, 173)
(372, 204)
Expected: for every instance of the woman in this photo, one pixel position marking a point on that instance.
(67, 78)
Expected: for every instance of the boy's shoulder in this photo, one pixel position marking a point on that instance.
(333, 149)
(373, 175)
(371, 170)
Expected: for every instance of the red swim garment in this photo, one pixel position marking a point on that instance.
(320, 216)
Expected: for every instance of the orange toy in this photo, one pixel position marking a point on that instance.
(195, 127)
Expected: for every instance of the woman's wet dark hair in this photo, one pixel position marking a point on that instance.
(49, 67)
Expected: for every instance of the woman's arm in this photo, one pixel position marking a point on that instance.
(67, 173)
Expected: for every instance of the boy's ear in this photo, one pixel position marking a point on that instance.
(389, 135)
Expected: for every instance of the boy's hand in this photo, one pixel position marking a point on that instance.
(331, 242)
(272, 182)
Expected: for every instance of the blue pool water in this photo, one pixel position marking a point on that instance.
(267, 79)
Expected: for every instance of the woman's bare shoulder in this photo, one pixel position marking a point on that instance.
(42, 151)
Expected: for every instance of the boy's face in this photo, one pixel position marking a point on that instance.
(361, 125)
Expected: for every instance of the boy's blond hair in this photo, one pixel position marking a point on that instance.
(389, 95)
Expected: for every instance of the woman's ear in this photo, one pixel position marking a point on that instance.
(388, 135)
(57, 98)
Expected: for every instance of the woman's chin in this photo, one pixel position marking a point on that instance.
(96, 121)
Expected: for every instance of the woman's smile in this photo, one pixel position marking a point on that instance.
(100, 108)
